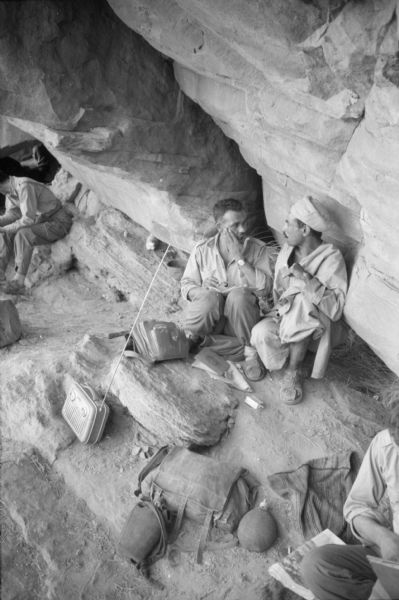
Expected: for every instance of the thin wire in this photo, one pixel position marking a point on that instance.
(133, 326)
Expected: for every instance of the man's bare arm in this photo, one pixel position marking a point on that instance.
(384, 538)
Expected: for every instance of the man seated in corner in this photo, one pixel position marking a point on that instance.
(336, 572)
(34, 216)
(310, 284)
(221, 281)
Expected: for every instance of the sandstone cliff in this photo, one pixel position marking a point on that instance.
(308, 91)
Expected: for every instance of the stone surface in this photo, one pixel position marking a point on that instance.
(109, 108)
(74, 557)
(69, 510)
(309, 91)
(176, 404)
(32, 397)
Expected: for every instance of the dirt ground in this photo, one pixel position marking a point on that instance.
(55, 546)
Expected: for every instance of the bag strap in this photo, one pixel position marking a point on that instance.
(150, 466)
(204, 536)
(229, 541)
(179, 519)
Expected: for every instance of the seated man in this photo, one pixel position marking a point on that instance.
(34, 216)
(309, 290)
(335, 572)
(220, 280)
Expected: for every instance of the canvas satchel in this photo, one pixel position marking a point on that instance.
(10, 325)
(200, 488)
(159, 340)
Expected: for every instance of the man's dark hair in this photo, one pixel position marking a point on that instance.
(222, 206)
(313, 232)
(3, 176)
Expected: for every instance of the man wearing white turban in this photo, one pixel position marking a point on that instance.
(310, 285)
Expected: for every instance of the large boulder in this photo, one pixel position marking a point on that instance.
(173, 402)
(108, 107)
(307, 90)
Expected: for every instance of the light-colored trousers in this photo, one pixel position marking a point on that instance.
(232, 315)
(266, 339)
(25, 239)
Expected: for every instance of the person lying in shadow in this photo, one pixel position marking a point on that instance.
(43, 166)
(13, 167)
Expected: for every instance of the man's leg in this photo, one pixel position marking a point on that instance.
(241, 311)
(203, 313)
(297, 353)
(265, 338)
(37, 235)
(291, 385)
(5, 253)
(336, 572)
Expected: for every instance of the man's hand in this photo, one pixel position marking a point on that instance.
(299, 272)
(389, 546)
(210, 282)
(233, 245)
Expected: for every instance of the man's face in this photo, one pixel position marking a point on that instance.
(5, 187)
(235, 222)
(395, 435)
(293, 232)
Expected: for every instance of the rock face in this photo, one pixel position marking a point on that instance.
(109, 108)
(307, 90)
(172, 401)
(310, 92)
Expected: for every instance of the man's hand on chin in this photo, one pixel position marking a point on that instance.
(234, 245)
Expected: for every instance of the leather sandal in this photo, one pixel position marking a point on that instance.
(253, 368)
(291, 391)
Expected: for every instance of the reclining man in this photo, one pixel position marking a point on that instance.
(310, 284)
(220, 280)
(34, 216)
(343, 572)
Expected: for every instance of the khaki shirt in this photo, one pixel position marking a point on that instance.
(206, 261)
(27, 201)
(379, 472)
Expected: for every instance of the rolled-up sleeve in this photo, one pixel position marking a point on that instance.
(367, 492)
(11, 214)
(264, 268)
(327, 291)
(191, 276)
(329, 301)
(28, 208)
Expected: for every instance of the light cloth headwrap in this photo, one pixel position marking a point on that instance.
(306, 211)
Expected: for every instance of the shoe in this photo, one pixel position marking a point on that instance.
(14, 287)
(253, 367)
(194, 342)
(291, 391)
(129, 351)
